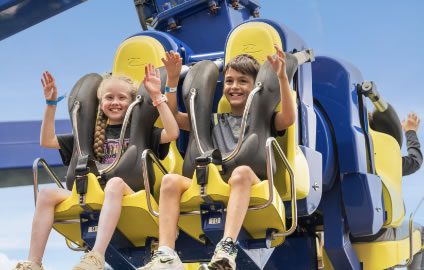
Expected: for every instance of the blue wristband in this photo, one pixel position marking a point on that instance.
(54, 102)
(170, 89)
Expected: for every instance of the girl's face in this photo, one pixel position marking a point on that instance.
(115, 100)
(237, 87)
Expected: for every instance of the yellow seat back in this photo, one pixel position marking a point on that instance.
(388, 165)
(134, 54)
(257, 39)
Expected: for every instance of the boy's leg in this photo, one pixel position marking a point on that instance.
(241, 181)
(43, 220)
(171, 189)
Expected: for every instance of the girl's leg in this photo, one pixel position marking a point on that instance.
(171, 189)
(241, 181)
(43, 220)
(115, 189)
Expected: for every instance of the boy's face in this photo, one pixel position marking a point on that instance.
(237, 87)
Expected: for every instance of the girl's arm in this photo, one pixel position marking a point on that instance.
(48, 136)
(287, 114)
(173, 64)
(152, 84)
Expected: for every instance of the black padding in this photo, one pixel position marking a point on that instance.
(143, 117)
(291, 66)
(252, 153)
(84, 92)
(202, 77)
(387, 122)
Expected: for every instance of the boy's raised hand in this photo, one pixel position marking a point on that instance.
(278, 62)
(152, 81)
(173, 64)
(411, 123)
(49, 86)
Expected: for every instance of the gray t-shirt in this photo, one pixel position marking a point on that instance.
(226, 130)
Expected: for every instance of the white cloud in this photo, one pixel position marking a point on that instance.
(6, 263)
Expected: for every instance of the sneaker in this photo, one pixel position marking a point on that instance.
(224, 257)
(27, 265)
(160, 261)
(91, 261)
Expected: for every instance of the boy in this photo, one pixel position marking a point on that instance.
(239, 78)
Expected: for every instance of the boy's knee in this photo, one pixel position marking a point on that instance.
(242, 175)
(170, 182)
(115, 185)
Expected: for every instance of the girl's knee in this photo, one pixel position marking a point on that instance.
(115, 185)
(48, 196)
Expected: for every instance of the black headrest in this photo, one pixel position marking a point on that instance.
(387, 122)
(142, 121)
(203, 77)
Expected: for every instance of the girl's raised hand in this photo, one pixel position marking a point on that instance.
(152, 81)
(49, 86)
(173, 64)
(278, 62)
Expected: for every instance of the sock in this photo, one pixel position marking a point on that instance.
(167, 250)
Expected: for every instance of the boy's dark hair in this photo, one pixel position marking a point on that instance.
(245, 64)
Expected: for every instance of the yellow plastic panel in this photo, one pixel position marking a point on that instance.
(136, 222)
(218, 190)
(388, 164)
(134, 54)
(254, 38)
(383, 255)
(297, 161)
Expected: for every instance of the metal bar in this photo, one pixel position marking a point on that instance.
(271, 141)
(122, 136)
(233, 153)
(411, 231)
(149, 153)
(193, 93)
(75, 110)
(50, 172)
(71, 246)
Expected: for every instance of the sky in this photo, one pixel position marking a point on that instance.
(382, 38)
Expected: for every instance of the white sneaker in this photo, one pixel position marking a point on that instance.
(161, 261)
(224, 257)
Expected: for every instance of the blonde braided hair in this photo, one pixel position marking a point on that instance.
(101, 120)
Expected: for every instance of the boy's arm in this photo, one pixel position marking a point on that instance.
(152, 84)
(287, 114)
(173, 64)
(48, 136)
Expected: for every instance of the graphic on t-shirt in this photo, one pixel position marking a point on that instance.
(111, 149)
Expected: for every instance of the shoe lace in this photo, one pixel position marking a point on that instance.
(228, 246)
(93, 259)
(23, 265)
(156, 255)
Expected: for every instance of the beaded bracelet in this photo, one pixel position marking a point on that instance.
(160, 100)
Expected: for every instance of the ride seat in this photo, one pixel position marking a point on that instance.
(257, 39)
(136, 222)
(388, 165)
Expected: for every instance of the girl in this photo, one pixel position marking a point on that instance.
(115, 94)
